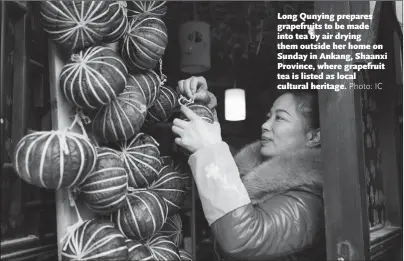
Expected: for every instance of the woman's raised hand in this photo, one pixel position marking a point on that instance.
(196, 88)
(196, 133)
(193, 87)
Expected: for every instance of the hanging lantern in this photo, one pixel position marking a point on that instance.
(195, 47)
(235, 109)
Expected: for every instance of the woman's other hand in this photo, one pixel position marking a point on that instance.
(196, 133)
(196, 88)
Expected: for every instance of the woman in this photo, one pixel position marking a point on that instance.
(266, 203)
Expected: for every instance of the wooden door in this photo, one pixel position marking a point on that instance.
(28, 223)
(359, 139)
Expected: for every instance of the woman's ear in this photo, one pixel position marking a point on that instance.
(313, 138)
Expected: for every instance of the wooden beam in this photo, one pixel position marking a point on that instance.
(21, 103)
(21, 92)
(386, 119)
(342, 150)
(61, 112)
(387, 101)
(4, 70)
(344, 188)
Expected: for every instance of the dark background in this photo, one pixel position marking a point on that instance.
(233, 56)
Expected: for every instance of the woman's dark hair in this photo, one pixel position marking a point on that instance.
(307, 105)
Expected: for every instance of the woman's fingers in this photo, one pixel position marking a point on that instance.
(180, 87)
(178, 141)
(202, 84)
(178, 131)
(202, 96)
(212, 100)
(189, 113)
(180, 123)
(195, 81)
(215, 119)
(187, 88)
(193, 86)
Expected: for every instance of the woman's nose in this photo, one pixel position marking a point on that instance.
(266, 126)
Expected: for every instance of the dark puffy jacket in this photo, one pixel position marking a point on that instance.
(286, 227)
(285, 218)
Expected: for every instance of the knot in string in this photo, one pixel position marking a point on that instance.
(130, 189)
(75, 193)
(79, 118)
(184, 101)
(122, 153)
(123, 4)
(76, 58)
(82, 116)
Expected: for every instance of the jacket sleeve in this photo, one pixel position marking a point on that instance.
(277, 227)
(281, 226)
(218, 181)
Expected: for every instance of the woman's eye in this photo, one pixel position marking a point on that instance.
(278, 118)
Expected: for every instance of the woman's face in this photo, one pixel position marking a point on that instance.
(285, 128)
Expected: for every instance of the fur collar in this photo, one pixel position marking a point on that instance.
(265, 178)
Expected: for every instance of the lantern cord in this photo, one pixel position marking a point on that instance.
(249, 24)
(71, 229)
(184, 101)
(163, 77)
(195, 12)
(259, 44)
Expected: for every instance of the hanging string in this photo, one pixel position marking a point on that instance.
(71, 229)
(123, 5)
(94, 141)
(185, 102)
(215, 249)
(163, 77)
(134, 190)
(75, 191)
(79, 118)
(63, 142)
(77, 57)
(155, 141)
